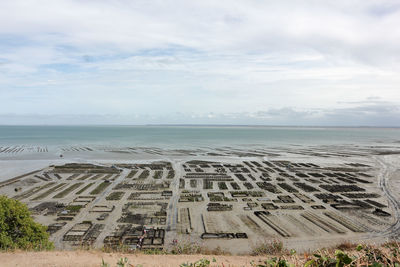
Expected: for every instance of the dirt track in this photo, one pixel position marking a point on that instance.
(388, 170)
(94, 258)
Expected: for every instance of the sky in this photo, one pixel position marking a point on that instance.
(297, 62)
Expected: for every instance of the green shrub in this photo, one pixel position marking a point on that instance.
(18, 230)
(274, 262)
(122, 262)
(341, 259)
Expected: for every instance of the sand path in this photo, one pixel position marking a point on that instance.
(94, 258)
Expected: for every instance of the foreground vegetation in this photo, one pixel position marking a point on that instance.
(17, 228)
(273, 254)
(349, 255)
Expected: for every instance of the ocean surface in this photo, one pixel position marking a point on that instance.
(193, 136)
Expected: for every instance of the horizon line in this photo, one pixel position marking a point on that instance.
(199, 125)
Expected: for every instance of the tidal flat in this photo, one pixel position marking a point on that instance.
(231, 197)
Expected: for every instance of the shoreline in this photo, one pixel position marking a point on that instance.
(15, 164)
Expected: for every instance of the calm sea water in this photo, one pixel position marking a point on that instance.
(197, 136)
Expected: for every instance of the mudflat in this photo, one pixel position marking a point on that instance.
(232, 199)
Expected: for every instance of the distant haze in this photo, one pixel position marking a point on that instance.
(322, 63)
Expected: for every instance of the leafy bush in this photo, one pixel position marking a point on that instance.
(366, 256)
(341, 260)
(352, 255)
(274, 262)
(18, 230)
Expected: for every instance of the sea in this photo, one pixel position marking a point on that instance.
(194, 136)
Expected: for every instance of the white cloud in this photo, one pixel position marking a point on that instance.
(195, 57)
(370, 112)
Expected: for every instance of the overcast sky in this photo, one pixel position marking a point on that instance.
(178, 61)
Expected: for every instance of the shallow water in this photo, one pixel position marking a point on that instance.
(193, 136)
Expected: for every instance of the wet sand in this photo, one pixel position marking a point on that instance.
(384, 165)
